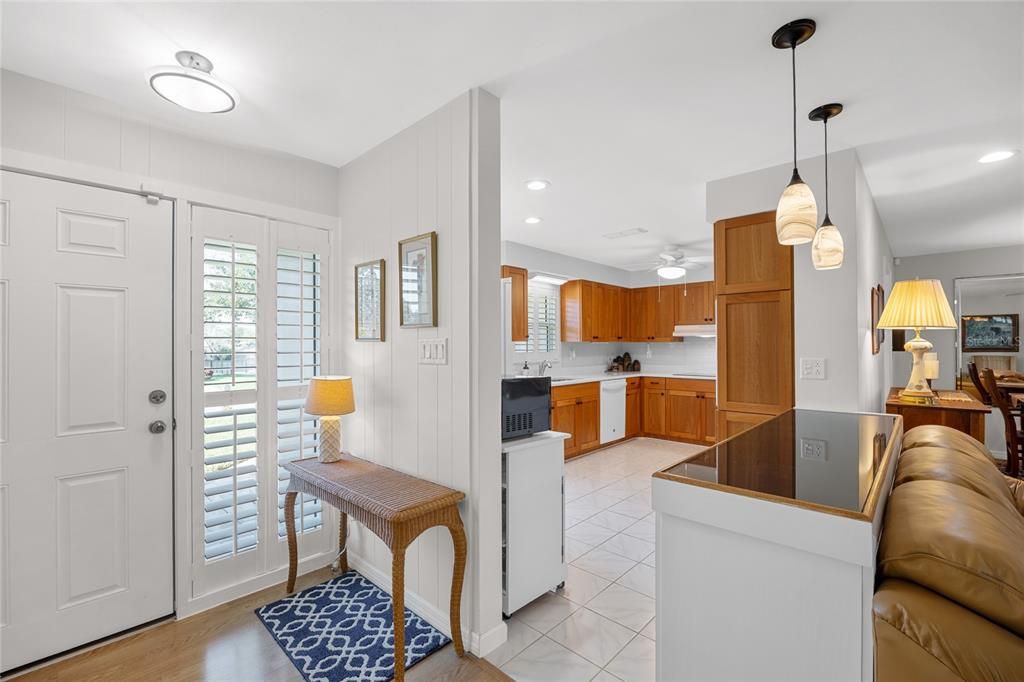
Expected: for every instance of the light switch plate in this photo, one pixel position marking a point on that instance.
(433, 351)
(814, 449)
(812, 368)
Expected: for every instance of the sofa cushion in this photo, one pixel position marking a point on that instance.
(960, 544)
(922, 636)
(945, 437)
(1016, 487)
(941, 464)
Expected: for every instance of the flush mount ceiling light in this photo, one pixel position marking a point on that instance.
(532, 220)
(797, 214)
(671, 272)
(549, 279)
(191, 86)
(537, 184)
(992, 157)
(827, 247)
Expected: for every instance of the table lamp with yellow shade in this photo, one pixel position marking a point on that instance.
(329, 398)
(917, 304)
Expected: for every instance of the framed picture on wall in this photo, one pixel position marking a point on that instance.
(998, 333)
(417, 284)
(370, 283)
(877, 306)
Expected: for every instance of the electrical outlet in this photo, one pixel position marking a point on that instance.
(812, 368)
(814, 449)
(433, 352)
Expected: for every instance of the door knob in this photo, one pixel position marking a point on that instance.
(158, 426)
(156, 397)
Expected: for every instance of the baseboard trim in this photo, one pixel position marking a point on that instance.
(429, 612)
(190, 607)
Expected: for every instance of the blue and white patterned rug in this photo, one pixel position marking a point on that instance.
(343, 629)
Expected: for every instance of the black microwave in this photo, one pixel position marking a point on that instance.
(525, 406)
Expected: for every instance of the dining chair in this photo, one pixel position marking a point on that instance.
(1014, 435)
(972, 371)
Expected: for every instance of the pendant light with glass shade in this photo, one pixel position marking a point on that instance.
(827, 246)
(796, 216)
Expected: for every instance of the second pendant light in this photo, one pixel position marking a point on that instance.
(827, 246)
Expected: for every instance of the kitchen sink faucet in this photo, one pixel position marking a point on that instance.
(543, 367)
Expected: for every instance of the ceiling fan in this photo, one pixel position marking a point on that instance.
(673, 263)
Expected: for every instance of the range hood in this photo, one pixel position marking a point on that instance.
(694, 330)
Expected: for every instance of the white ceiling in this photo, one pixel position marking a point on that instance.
(628, 108)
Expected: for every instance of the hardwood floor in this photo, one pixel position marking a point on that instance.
(226, 644)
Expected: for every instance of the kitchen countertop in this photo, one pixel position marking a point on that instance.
(608, 376)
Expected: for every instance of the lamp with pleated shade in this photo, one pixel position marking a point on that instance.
(329, 398)
(917, 304)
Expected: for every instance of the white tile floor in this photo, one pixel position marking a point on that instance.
(600, 626)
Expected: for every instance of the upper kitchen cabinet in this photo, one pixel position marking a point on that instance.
(520, 301)
(695, 303)
(748, 257)
(653, 313)
(592, 311)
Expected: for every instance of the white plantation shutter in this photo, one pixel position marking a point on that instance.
(299, 348)
(230, 462)
(542, 310)
(258, 329)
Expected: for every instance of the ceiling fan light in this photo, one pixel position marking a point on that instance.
(827, 247)
(671, 272)
(797, 213)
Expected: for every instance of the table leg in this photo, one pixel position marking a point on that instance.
(293, 550)
(342, 542)
(458, 575)
(398, 600)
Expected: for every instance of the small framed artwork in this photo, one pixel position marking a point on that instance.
(370, 283)
(417, 284)
(877, 306)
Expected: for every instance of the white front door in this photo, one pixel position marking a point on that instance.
(85, 472)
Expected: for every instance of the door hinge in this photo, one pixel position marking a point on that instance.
(174, 424)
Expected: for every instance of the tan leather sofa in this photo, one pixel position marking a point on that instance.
(950, 603)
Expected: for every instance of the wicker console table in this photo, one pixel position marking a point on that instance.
(397, 507)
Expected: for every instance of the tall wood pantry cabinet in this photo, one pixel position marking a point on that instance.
(754, 286)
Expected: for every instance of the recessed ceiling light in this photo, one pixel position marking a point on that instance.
(992, 157)
(532, 220)
(191, 86)
(537, 184)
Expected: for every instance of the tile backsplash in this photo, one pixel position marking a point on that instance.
(693, 355)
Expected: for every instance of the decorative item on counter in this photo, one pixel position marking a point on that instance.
(627, 360)
(636, 366)
(616, 365)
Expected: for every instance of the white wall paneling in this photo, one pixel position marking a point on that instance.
(439, 422)
(52, 121)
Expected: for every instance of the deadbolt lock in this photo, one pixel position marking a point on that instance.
(156, 397)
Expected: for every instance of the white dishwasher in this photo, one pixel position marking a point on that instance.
(613, 410)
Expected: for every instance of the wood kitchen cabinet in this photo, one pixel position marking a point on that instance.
(520, 301)
(690, 410)
(755, 352)
(576, 410)
(654, 407)
(732, 423)
(748, 256)
(695, 303)
(592, 311)
(653, 313)
(634, 394)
